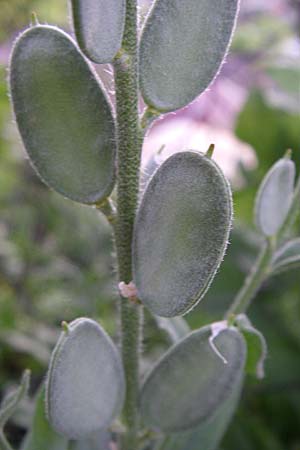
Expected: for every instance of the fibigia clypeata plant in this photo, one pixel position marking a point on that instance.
(170, 232)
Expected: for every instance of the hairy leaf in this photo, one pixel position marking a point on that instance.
(193, 379)
(275, 197)
(99, 26)
(63, 116)
(181, 233)
(41, 435)
(182, 47)
(175, 327)
(85, 383)
(287, 257)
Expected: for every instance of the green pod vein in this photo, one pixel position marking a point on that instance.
(275, 197)
(63, 116)
(192, 381)
(182, 47)
(99, 26)
(85, 384)
(181, 233)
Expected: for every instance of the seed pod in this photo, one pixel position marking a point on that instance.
(182, 47)
(193, 379)
(99, 26)
(85, 383)
(63, 116)
(210, 433)
(275, 197)
(181, 233)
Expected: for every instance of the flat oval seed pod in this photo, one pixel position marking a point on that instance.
(210, 433)
(193, 379)
(63, 116)
(99, 26)
(181, 233)
(182, 47)
(85, 383)
(275, 197)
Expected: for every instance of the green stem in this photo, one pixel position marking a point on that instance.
(253, 282)
(4, 444)
(129, 149)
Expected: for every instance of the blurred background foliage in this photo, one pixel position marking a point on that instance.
(56, 257)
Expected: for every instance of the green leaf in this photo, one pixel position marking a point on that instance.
(175, 327)
(182, 48)
(98, 441)
(287, 257)
(41, 434)
(275, 197)
(256, 347)
(11, 402)
(63, 116)
(181, 233)
(193, 379)
(208, 435)
(99, 26)
(85, 383)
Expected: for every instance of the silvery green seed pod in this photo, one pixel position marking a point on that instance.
(85, 383)
(191, 382)
(275, 197)
(181, 233)
(99, 26)
(182, 47)
(210, 433)
(63, 116)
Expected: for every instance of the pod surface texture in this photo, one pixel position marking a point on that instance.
(85, 384)
(191, 381)
(181, 233)
(182, 47)
(63, 116)
(99, 26)
(275, 197)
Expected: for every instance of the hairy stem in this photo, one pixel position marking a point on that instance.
(129, 149)
(253, 282)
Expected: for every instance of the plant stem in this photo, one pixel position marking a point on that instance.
(253, 281)
(4, 444)
(129, 149)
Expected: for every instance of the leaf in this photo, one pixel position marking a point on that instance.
(208, 435)
(175, 327)
(99, 26)
(182, 47)
(193, 379)
(11, 402)
(99, 441)
(85, 384)
(181, 233)
(63, 116)
(287, 257)
(256, 347)
(275, 197)
(41, 434)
